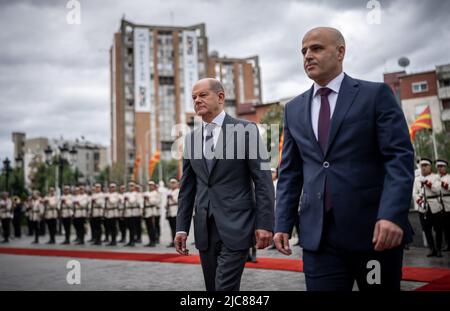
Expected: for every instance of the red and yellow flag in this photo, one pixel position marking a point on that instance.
(137, 163)
(280, 147)
(155, 159)
(422, 122)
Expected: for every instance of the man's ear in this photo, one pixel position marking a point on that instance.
(221, 95)
(341, 52)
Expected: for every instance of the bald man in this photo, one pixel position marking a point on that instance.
(346, 145)
(229, 187)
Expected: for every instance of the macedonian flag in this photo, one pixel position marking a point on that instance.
(153, 161)
(422, 122)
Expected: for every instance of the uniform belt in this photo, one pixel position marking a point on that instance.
(432, 197)
(148, 206)
(446, 195)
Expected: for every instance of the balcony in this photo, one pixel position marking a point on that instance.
(444, 92)
(445, 116)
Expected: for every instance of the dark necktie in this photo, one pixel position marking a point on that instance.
(209, 145)
(323, 131)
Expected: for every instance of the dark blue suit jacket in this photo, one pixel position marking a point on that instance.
(369, 162)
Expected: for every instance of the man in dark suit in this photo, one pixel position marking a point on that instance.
(226, 180)
(346, 144)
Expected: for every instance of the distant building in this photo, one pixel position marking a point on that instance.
(153, 69)
(415, 91)
(90, 159)
(241, 79)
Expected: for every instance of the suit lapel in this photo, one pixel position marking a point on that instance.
(197, 135)
(347, 93)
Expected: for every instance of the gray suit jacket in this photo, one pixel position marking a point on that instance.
(238, 192)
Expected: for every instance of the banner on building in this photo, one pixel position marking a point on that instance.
(190, 67)
(141, 70)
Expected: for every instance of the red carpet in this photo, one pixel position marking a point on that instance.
(437, 278)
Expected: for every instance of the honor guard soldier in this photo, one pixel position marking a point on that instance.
(28, 216)
(37, 215)
(81, 207)
(112, 202)
(121, 220)
(131, 210)
(66, 212)
(97, 212)
(18, 211)
(172, 207)
(138, 215)
(6, 214)
(442, 167)
(50, 203)
(104, 222)
(152, 201)
(426, 193)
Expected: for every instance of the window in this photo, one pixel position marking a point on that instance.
(444, 83)
(166, 145)
(446, 104)
(446, 126)
(419, 87)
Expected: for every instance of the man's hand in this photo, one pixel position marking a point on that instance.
(282, 243)
(263, 238)
(180, 243)
(386, 235)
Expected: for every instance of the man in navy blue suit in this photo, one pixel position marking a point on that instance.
(346, 145)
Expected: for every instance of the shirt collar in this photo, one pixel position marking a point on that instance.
(218, 120)
(334, 84)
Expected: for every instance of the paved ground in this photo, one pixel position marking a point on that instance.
(19, 272)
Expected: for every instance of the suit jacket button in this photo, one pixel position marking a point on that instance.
(319, 195)
(326, 164)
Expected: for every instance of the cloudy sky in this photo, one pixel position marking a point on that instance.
(54, 77)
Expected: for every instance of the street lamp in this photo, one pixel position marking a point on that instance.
(19, 175)
(59, 160)
(48, 154)
(7, 169)
(19, 161)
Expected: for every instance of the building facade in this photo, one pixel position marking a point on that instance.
(416, 91)
(88, 161)
(241, 79)
(153, 69)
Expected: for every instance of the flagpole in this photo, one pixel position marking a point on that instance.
(433, 139)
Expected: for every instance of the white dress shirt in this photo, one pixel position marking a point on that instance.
(333, 85)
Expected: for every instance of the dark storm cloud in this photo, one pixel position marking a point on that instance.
(54, 77)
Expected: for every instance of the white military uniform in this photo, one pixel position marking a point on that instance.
(152, 204)
(50, 207)
(97, 204)
(132, 207)
(445, 191)
(37, 210)
(172, 203)
(112, 205)
(121, 206)
(66, 206)
(6, 211)
(81, 205)
(432, 193)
